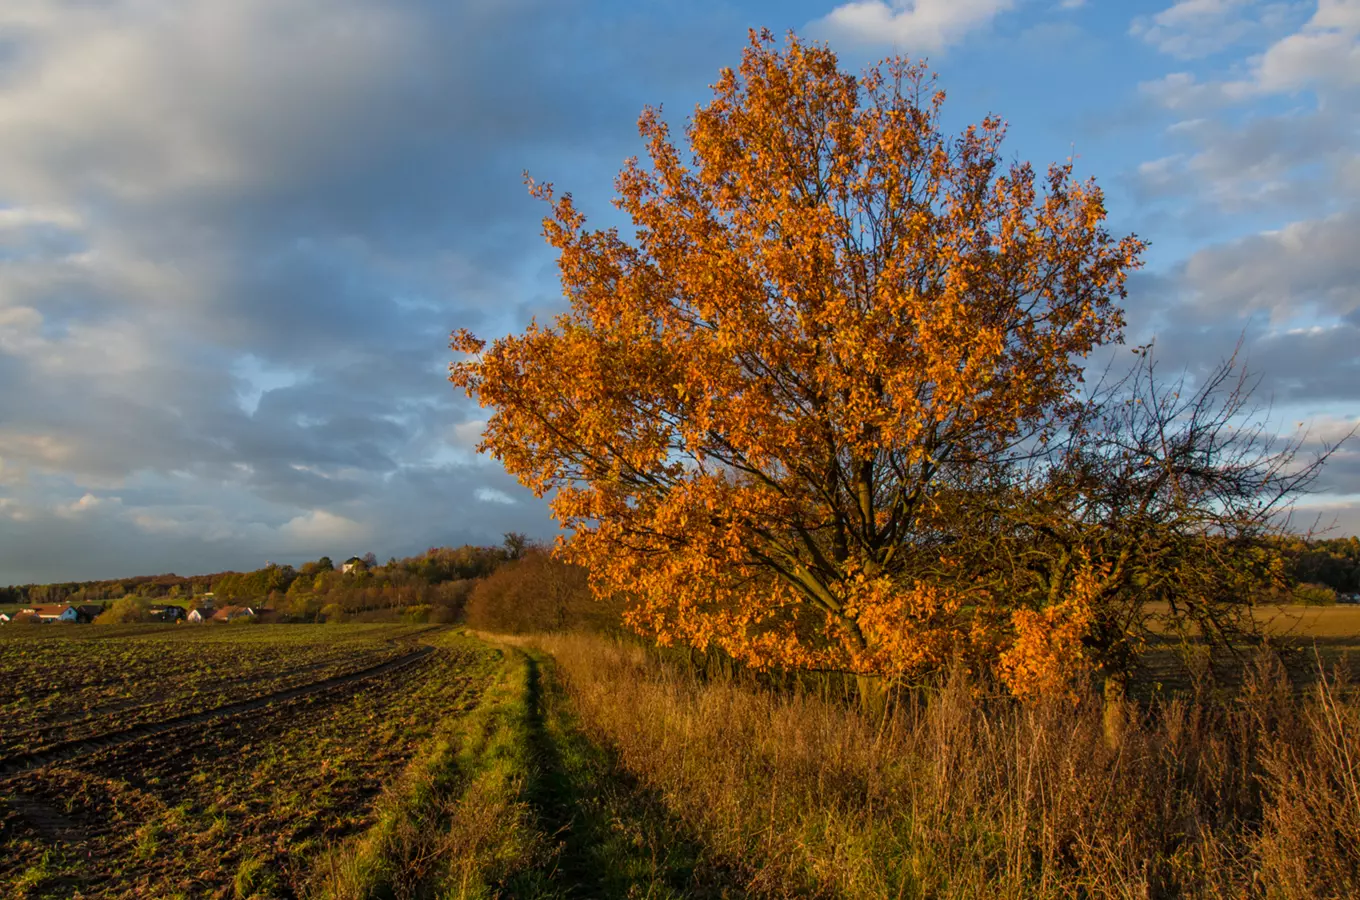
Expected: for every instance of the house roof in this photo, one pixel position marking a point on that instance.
(229, 612)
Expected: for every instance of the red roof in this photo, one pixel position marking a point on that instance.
(230, 612)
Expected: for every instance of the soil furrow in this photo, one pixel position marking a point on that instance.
(73, 749)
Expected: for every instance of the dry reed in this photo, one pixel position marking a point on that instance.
(956, 794)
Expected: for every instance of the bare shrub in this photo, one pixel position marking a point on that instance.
(537, 593)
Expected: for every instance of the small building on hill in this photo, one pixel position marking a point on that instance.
(351, 564)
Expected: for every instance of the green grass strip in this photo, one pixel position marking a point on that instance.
(456, 824)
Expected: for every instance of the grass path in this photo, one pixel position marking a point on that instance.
(514, 800)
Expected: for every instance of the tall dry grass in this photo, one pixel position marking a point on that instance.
(960, 795)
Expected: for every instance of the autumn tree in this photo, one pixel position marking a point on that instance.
(760, 414)
(516, 544)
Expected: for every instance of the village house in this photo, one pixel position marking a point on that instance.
(166, 613)
(232, 613)
(199, 614)
(64, 613)
(4, 618)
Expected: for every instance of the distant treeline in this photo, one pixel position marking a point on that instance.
(1317, 571)
(441, 576)
(516, 586)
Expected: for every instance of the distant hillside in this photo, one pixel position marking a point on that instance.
(441, 579)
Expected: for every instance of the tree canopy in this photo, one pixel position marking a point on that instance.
(832, 318)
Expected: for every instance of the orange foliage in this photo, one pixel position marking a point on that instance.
(1047, 654)
(828, 318)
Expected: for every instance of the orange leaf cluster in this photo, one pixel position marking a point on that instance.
(1047, 654)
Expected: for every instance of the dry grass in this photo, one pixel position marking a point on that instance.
(1338, 622)
(1307, 622)
(957, 795)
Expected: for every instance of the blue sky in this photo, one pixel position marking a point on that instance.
(234, 236)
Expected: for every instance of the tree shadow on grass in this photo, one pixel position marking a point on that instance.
(615, 836)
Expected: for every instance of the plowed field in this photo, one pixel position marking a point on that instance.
(210, 761)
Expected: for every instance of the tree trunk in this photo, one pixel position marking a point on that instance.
(1116, 711)
(873, 695)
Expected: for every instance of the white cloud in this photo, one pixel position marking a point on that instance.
(1194, 28)
(226, 280)
(141, 98)
(14, 219)
(1306, 268)
(492, 495)
(1329, 520)
(1162, 174)
(1182, 91)
(1244, 156)
(913, 25)
(44, 450)
(1329, 429)
(87, 504)
(1324, 53)
(467, 435)
(1292, 162)
(319, 529)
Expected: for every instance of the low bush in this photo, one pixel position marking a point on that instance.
(1312, 594)
(125, 611)
(538, 593)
